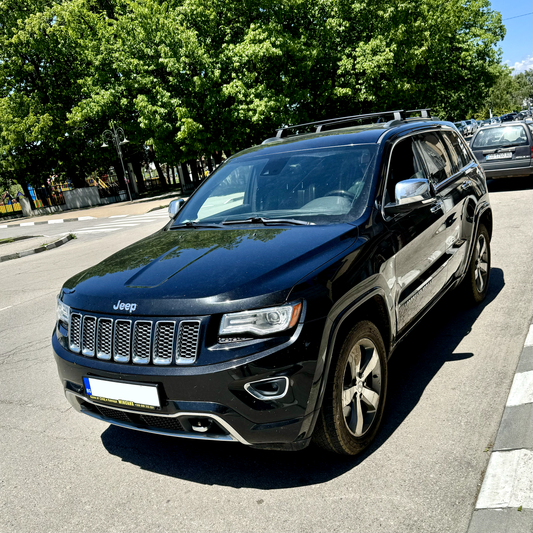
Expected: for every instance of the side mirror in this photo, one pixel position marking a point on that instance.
(410, 194)
(175, 206)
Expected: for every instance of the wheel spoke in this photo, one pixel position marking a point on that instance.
(372, 363)
(371, 397)
(359, 426)
(347, 396)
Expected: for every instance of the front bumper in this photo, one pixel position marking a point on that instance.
(209, 402)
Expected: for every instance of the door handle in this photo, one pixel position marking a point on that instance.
(466, 184)
(436, 207)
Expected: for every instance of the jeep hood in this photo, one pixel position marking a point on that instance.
(202, 271)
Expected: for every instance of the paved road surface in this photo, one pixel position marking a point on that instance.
(61, 471)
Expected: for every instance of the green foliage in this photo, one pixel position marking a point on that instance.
(193, 77)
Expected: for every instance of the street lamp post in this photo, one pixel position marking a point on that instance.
(118, 137)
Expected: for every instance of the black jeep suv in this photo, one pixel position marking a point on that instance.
(266, 310)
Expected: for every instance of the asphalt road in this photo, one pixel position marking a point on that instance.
(62, 471)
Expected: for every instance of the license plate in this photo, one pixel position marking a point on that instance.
(500, 155)
(122, 394)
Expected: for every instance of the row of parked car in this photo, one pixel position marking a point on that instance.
(470, 126)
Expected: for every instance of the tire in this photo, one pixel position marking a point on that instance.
(476, 283)
(355, 395)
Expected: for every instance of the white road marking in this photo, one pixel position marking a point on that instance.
(4, 308)
(28, 224)
(115, 225)
(86, 218)
(529, 338)
(96, 230)
(521, 389)
(3, 226)
(508, 481)
(56, 221)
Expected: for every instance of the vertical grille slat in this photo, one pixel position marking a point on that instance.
(164, 342)
(88, 336)
(188, 336)
(74, 333)
(142, 338)
(122, 341)
(104, 339)
(135, 341)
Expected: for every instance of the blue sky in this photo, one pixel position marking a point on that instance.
(517, 46)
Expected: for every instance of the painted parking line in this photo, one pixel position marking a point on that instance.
(4, 308)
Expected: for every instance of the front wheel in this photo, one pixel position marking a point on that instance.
(355, 393)
(477, 278)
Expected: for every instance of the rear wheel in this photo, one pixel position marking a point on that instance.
(355, 394)
(476, 283)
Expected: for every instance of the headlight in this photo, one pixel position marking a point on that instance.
(261, 321)
(62, 312)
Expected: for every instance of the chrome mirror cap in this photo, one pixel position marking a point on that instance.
(175, 206)
(412, 190)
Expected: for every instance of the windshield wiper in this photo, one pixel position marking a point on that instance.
(192, 224)
(268, 221)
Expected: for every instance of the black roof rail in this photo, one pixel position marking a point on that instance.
(319, 124)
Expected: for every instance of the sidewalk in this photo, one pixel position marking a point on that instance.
(137, 207)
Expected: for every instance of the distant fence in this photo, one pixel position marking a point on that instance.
(9, 206)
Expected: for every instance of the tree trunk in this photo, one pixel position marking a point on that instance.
(173, 175)
(137, 169)
(162, 178)
(218, 158)
(209, 164)
(194, 171)
(186, 175)
(120, 175)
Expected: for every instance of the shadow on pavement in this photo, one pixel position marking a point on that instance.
(509, 184)
(417, 360)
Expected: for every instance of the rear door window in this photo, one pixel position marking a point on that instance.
(435, 157)
(458, 153)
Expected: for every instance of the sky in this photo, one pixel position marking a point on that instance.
(517, 46)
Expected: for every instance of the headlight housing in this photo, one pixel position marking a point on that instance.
(62, 312)
(261, 321)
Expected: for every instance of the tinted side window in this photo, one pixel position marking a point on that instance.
(403, 166)
(435, 157)
(458, 153)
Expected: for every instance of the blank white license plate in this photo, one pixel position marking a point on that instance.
(122, 394)
(501, 155)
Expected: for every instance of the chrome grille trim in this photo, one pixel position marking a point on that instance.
(104, 339)
(122, 341)
(142, 340)
(164, 342)
(74, 332)
(188, 336)
(88, 335)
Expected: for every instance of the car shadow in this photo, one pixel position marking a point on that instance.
(411, 369)
(509, 184)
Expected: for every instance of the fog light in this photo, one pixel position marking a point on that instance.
(268, 389)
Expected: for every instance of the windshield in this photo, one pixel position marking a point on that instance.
(319, 186)
(504, 136)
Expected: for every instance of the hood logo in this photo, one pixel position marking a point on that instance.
(125, 307)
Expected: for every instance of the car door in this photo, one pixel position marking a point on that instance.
(459, 193)
(419, 237)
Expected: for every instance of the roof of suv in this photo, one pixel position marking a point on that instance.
(342, 136)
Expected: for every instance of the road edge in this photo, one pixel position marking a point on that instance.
(505, 501)
(51, 246)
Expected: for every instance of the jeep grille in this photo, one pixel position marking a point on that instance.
(141, 342)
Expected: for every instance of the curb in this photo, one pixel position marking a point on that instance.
(50, 246)
(53, 221)
(505, 501)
